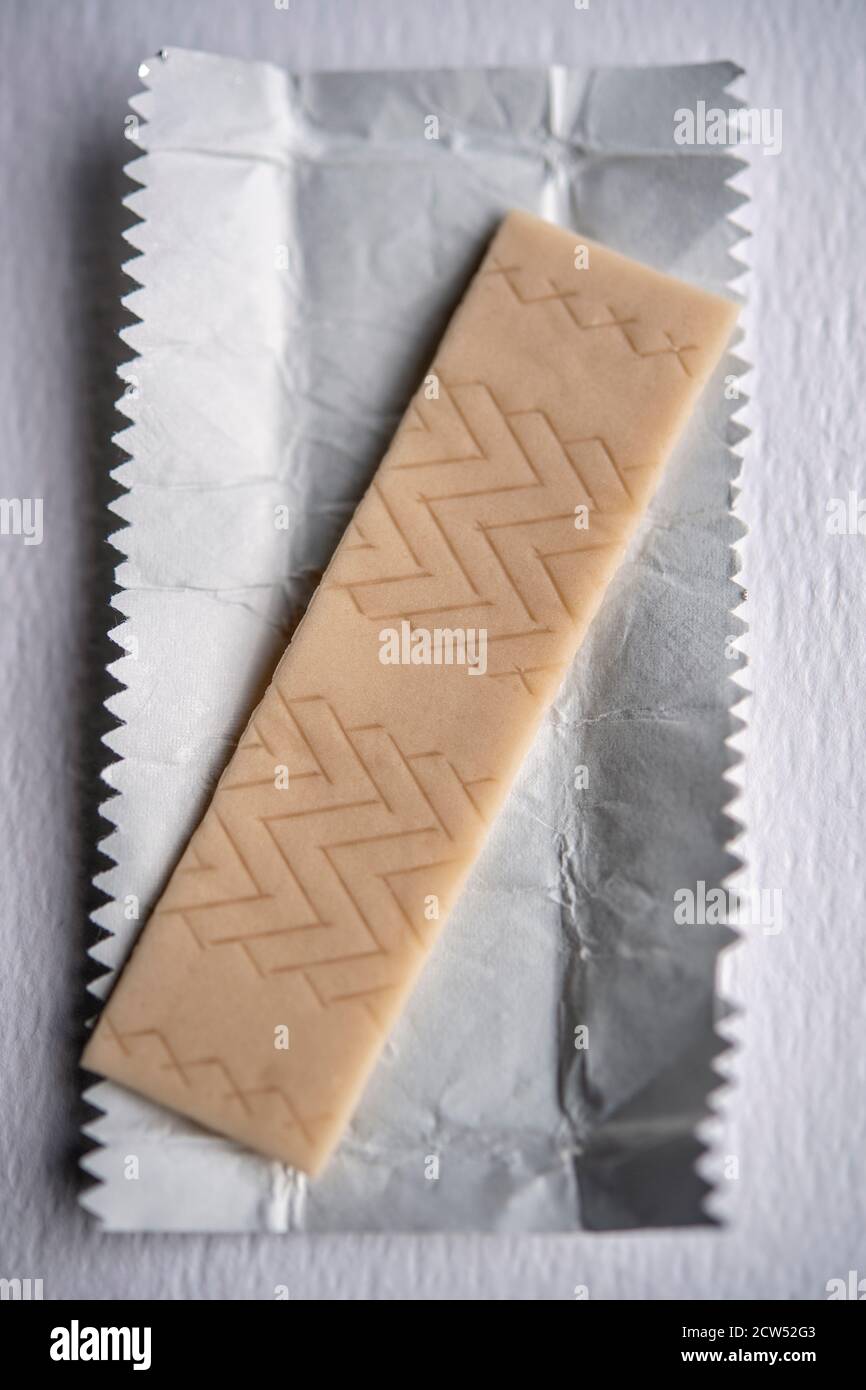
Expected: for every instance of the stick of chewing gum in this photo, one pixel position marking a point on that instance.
(275, 964)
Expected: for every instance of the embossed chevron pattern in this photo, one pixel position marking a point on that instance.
(645, 340)
(496, 517)
(292, 930)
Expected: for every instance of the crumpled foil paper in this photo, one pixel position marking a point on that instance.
(304, 240)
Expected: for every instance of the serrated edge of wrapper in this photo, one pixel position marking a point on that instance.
(135, 171)
(716, 1127)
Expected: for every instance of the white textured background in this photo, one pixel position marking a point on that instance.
(797, 1117)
